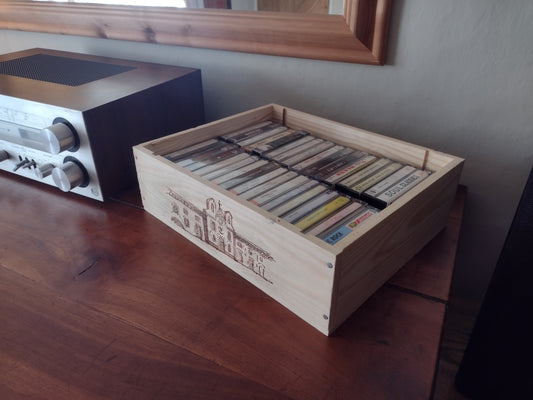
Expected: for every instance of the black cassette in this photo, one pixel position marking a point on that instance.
(323, 173)
(288, 137)
(178, 155)
(249, 131)
(313, 168)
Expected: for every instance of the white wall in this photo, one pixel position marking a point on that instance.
(458, 79)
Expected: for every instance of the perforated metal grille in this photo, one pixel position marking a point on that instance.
(61, 70)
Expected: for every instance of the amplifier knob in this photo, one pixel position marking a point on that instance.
(42, 171)
(3, 155)
(70, 175)
(60, 136)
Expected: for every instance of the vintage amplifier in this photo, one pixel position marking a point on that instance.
(70, 120)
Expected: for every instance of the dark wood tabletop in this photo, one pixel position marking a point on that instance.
(103, 301)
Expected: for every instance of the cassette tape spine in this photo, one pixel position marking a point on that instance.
(269, 185)
(249, 175)
(257, 145)
(272, 154)
(238, 171)
(247, 132)
(217, 148)
(337, 217)
(221, 171)
(258, 179)
(373, 179)
(309, 206)
(249, 141)
(350, 169)
(271, 194)
(315, 167)
(371, 193)
(177, 155)
(298, 200)
(347, 226)
(282, 199)
(214, 158)
(321, 212)
(339, 163)
(310, 151)
(359, 176)
(223, 163)
(283, 139)
(302, 165)
(394, 192)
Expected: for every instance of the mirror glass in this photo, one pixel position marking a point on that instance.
(333, 7)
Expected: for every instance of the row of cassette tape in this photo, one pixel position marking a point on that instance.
(323, 188)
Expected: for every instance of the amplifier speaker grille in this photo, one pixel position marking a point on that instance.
(60, 70)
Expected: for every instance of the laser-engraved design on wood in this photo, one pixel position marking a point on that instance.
(214, 225)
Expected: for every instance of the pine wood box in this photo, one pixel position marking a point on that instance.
(323, 284)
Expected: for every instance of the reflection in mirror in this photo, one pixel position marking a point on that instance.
(296, 6)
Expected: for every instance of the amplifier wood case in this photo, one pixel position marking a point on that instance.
(322, 283)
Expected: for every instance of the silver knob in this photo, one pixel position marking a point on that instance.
(4, 155)
(59, 137)
(42, 171)
(68, 176)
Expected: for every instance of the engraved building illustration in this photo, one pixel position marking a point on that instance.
(214, 225)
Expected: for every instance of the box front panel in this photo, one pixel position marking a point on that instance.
(270, 255)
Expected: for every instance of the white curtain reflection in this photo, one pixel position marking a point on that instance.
(155, 3)
(334, 6)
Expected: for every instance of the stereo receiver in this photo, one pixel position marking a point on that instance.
(70, 120)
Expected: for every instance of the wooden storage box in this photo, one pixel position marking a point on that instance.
(321, 283)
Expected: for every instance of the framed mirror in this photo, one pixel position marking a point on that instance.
(357, 36)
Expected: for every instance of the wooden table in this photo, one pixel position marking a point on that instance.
(103, 301)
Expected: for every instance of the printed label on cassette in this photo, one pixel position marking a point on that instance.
(239, 171)
(249, 131)
(309, 206)
(285, 198)
(350, 169)
(347, 227)
(280, 190)
(258, 180)
(334, 219)
(272, 154)
(375, 178)
(252, 174)
(298, 200)
(402, 187)
(322, 212)
(270, 185)
(384, 184)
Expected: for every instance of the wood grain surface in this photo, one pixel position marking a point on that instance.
(360, 35)
(103, 301)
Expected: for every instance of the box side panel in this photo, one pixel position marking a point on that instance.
(277, 260)
(195, 135)
(396, 235)
(358, 138)
(437, 160)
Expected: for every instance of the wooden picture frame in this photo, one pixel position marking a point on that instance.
(358, 36)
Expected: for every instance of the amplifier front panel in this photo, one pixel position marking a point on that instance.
(25, 147)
